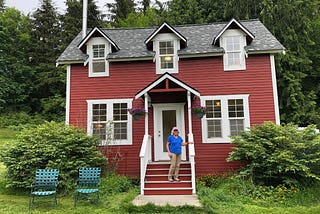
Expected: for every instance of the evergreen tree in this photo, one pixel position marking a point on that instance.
(145, 5)
(72, 20)
(49, 87)
(2, 6)
(15, 70)
(120, 9)
(195, 11)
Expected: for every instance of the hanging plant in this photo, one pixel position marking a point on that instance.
(199, 111)
(136, 112)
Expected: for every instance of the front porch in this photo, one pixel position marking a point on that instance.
(154, 160)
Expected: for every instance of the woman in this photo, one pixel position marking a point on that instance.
(174, 144)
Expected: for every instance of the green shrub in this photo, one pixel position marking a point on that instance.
(114, 184)
(50, 145)
(19, 118)
(276, 155)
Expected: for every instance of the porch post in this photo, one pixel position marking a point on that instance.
(146, 128)
(189, 112)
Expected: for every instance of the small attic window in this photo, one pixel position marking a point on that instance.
(97, 49)
(233, 41)
(166, 46)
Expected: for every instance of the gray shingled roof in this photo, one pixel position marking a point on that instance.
(199, 41)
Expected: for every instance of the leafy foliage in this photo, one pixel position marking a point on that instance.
(51, 145)
(276, 155)
(15, 70)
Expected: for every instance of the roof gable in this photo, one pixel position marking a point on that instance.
(233, 24)
(166, 28)
(161, 79)
(97, 31)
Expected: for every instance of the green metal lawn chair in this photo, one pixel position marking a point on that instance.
(88, 183)
(45, 184)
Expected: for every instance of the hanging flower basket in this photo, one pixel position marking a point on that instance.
(137, 112)
(199, 111)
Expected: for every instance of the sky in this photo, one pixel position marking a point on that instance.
(27, 6)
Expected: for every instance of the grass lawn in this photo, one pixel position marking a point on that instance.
(227, 195)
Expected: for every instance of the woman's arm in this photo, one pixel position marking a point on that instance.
(168, 150)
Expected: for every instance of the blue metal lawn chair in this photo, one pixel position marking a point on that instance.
(45, 184)
(88, 183)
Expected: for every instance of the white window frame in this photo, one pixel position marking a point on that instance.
(243, 42)
(225, 124)
(166, 37)
(107, 50)
(110, 103)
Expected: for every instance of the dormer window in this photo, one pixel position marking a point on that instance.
(166, 46)
(233, 42)
(98, 48)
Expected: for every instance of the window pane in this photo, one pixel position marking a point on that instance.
(213, 108)
(166, 47)
(120, 112)
(99, 112)
(214, 128)
(120, 131)
(166, 62)
(235, 108)
(236, 126)
(98, 66)
(99, 130)
(98, 51)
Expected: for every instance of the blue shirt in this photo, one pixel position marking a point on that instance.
(175, 144)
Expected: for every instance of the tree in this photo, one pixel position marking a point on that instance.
(2, 6)
(120, 9)
(290, 22)
(294, 30)
(15, 70)
(72, 20)
(49, 81)
(195, 11)
(145, 5)
(150, 18)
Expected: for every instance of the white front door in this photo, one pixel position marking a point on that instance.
(166, 116)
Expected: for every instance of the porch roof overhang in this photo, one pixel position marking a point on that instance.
(167, 76)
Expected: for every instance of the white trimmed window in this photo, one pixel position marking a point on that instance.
(166, 46)
(233, 42)
(98, 48)
(110, 120)
(226, 116)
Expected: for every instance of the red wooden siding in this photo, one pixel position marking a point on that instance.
(206, 75)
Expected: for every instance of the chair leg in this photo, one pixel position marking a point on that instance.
(54, 200)
(31, 202)
(75, 198)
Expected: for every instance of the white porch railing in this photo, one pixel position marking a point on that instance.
(192, 163)
(145, 158)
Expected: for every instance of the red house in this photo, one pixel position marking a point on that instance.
(227, 67)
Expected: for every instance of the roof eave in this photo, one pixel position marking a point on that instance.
(159, 28)
(243, 28)
(85, 40)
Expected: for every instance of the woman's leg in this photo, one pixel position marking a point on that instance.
(172, 166)
(177, 166)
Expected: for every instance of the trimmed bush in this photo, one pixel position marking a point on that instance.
(278, 155)
(50, 145)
